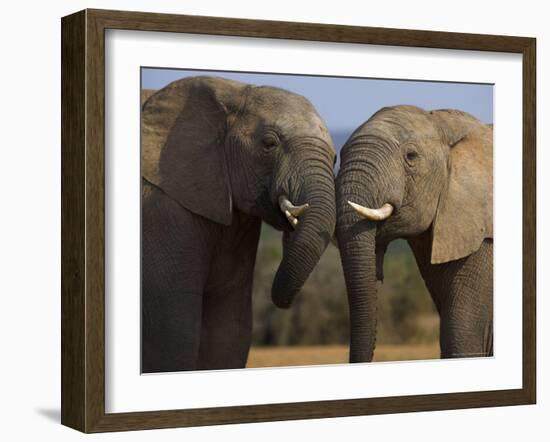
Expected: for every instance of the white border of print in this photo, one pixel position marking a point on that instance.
(127, 390)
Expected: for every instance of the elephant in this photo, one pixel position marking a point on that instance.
(218, 157)
(426, 177)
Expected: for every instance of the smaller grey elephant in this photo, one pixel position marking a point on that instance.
(426, 177)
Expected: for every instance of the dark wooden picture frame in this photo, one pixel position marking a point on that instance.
(83, 220)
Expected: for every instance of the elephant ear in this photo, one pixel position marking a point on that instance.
(464, 216)
(183, 134)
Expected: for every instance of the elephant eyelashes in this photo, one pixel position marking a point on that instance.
(270, 141)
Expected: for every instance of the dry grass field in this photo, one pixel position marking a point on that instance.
(279, 356)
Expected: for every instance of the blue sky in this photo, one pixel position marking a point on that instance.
(345, 103)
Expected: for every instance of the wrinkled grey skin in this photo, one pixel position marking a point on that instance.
(217, 154)
(435, 168)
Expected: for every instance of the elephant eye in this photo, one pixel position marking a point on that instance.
(270, 141)
(411, 155)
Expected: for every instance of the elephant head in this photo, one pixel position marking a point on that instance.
(218, 146)
(408, 172)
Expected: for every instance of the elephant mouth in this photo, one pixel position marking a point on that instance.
(271, 213)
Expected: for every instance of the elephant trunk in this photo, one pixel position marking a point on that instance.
(356, 239)
(303, 247)
(364, 179)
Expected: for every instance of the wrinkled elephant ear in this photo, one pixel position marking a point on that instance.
(183, 133)
(464, 215)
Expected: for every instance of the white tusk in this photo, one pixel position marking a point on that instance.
(285, 204)
(380, 214)
(291, 211)
(291, 219)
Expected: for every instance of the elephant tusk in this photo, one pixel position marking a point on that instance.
(286, 205)
(291, 219)
(380, 214)
(291, 211)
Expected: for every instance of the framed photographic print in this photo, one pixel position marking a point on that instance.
(269, 220)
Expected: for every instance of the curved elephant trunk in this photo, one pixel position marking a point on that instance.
(303, 247)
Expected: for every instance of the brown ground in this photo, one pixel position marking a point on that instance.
(334, 354)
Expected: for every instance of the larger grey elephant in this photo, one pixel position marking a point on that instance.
(218, 157)
(426, 177)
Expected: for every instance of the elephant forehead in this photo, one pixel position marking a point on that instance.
(287, 111)
(399, 125)
(273, 97)
(299, 125)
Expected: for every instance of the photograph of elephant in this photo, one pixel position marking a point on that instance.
(293, 220)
